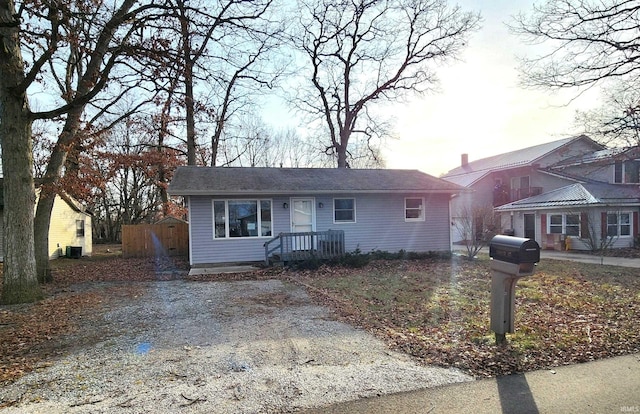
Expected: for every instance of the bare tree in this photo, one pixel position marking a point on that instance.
(221, 57)
(91, 65)
(74, 48)
(360, 52)
(595, 234)
(617, 122)
(589, 41)
(19, 279)
(477, 224)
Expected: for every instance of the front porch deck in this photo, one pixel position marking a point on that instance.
(288, 247)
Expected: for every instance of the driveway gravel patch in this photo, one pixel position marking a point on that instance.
(224, 347)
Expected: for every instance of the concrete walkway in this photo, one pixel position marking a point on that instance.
(604, 386)
(589, 258)
(215, 270)
(573, 256)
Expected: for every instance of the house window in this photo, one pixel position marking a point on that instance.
(555, 224)
(627, 172)
(568, 224)
(79, 228)
(344, 210)
(242, 218)
(617, 172)
(414, 209)
(618, 224)
(572, 225)
(631, 172)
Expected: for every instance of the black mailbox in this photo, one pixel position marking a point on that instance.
(515, 250)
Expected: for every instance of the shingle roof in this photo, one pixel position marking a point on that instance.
(579, 195)
(475, 170)
(193, 180)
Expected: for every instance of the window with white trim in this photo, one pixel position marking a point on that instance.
(79, 228)
(568, 224)
(242, 218)
(414, 209)
(626, 172)
(618, 224)
(344, 210)
(555, 223)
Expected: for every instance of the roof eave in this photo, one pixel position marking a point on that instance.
(566, 206)
(307, 192)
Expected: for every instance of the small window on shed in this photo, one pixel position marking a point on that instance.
(79, 228)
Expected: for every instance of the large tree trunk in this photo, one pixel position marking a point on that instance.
(188, 82)
(19, 281)
(48, 192)
(41, 233)
(342, 158)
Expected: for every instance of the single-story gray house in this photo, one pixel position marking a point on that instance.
(234, 211)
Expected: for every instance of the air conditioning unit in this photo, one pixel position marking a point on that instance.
(74, 252)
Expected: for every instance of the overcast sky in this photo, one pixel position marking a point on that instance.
(481, 110)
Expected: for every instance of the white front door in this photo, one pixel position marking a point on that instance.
(302, 220)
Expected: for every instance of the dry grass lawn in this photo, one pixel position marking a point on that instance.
(438, 311)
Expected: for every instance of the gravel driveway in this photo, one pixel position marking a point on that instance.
(218, 347)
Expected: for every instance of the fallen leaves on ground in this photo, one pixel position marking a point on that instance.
(28, 332)
(31, 334)
(438, 311)
(435, 310)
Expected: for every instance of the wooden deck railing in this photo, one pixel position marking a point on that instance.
(286, 247)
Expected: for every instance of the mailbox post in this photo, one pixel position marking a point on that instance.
(512, 259)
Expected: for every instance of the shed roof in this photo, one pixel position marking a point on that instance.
(193, 180)
(579, 195)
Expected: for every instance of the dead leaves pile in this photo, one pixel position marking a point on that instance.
(29, 333)
(438, 312)
(118, 269)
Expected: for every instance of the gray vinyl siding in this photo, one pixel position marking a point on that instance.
(380, 225)
(205, 249)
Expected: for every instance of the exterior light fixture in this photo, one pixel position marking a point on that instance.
(285, 206)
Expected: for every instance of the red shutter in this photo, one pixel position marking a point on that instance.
(584, 225)
(603, 224)
(543, 224)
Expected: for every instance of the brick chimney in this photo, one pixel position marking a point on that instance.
(464, 160)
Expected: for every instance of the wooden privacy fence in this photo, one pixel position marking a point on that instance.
(155, 240)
